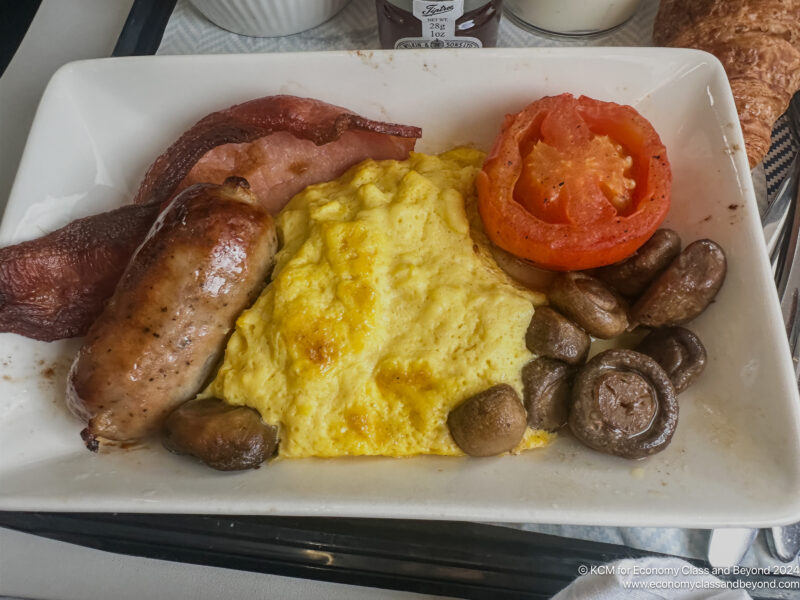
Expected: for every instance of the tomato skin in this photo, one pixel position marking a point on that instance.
(586, 230)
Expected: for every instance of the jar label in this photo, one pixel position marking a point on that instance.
(438, 26)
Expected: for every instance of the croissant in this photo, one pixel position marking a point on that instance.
(758, 43)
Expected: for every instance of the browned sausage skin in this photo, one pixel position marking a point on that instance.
(162, 332)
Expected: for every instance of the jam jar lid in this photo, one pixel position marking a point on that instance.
(468, 4)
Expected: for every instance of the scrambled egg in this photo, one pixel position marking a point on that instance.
(385, 311)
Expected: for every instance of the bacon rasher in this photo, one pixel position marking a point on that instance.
(54, 287)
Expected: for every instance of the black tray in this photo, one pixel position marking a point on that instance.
(465, 560)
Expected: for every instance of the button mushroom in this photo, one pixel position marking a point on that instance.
(225, 437)
(488, 423)
(631, 276)
(589, 302)
(545, 392)
(551, 334)
(684, 289)
(623, 403)
(679, 352)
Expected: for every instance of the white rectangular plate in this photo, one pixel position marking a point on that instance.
(735, 457)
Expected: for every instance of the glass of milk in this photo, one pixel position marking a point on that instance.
(570, 17)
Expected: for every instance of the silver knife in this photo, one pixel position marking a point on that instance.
(784, 542)
(774, 219)
(789, 279)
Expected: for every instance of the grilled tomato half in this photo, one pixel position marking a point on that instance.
(574, 183)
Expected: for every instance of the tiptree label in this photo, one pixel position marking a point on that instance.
(438, 26)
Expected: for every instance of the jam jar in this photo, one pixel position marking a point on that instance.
(438, 23)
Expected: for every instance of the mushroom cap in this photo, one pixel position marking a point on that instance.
(488, 423)
(546, 388)
(685, 288)
(679, 352)
(631, 276)
(623, 403)
(592, 304)
(551, 334)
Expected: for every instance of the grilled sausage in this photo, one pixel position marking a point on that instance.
(163, 330)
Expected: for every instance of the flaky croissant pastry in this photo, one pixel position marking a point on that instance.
(758, 43)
